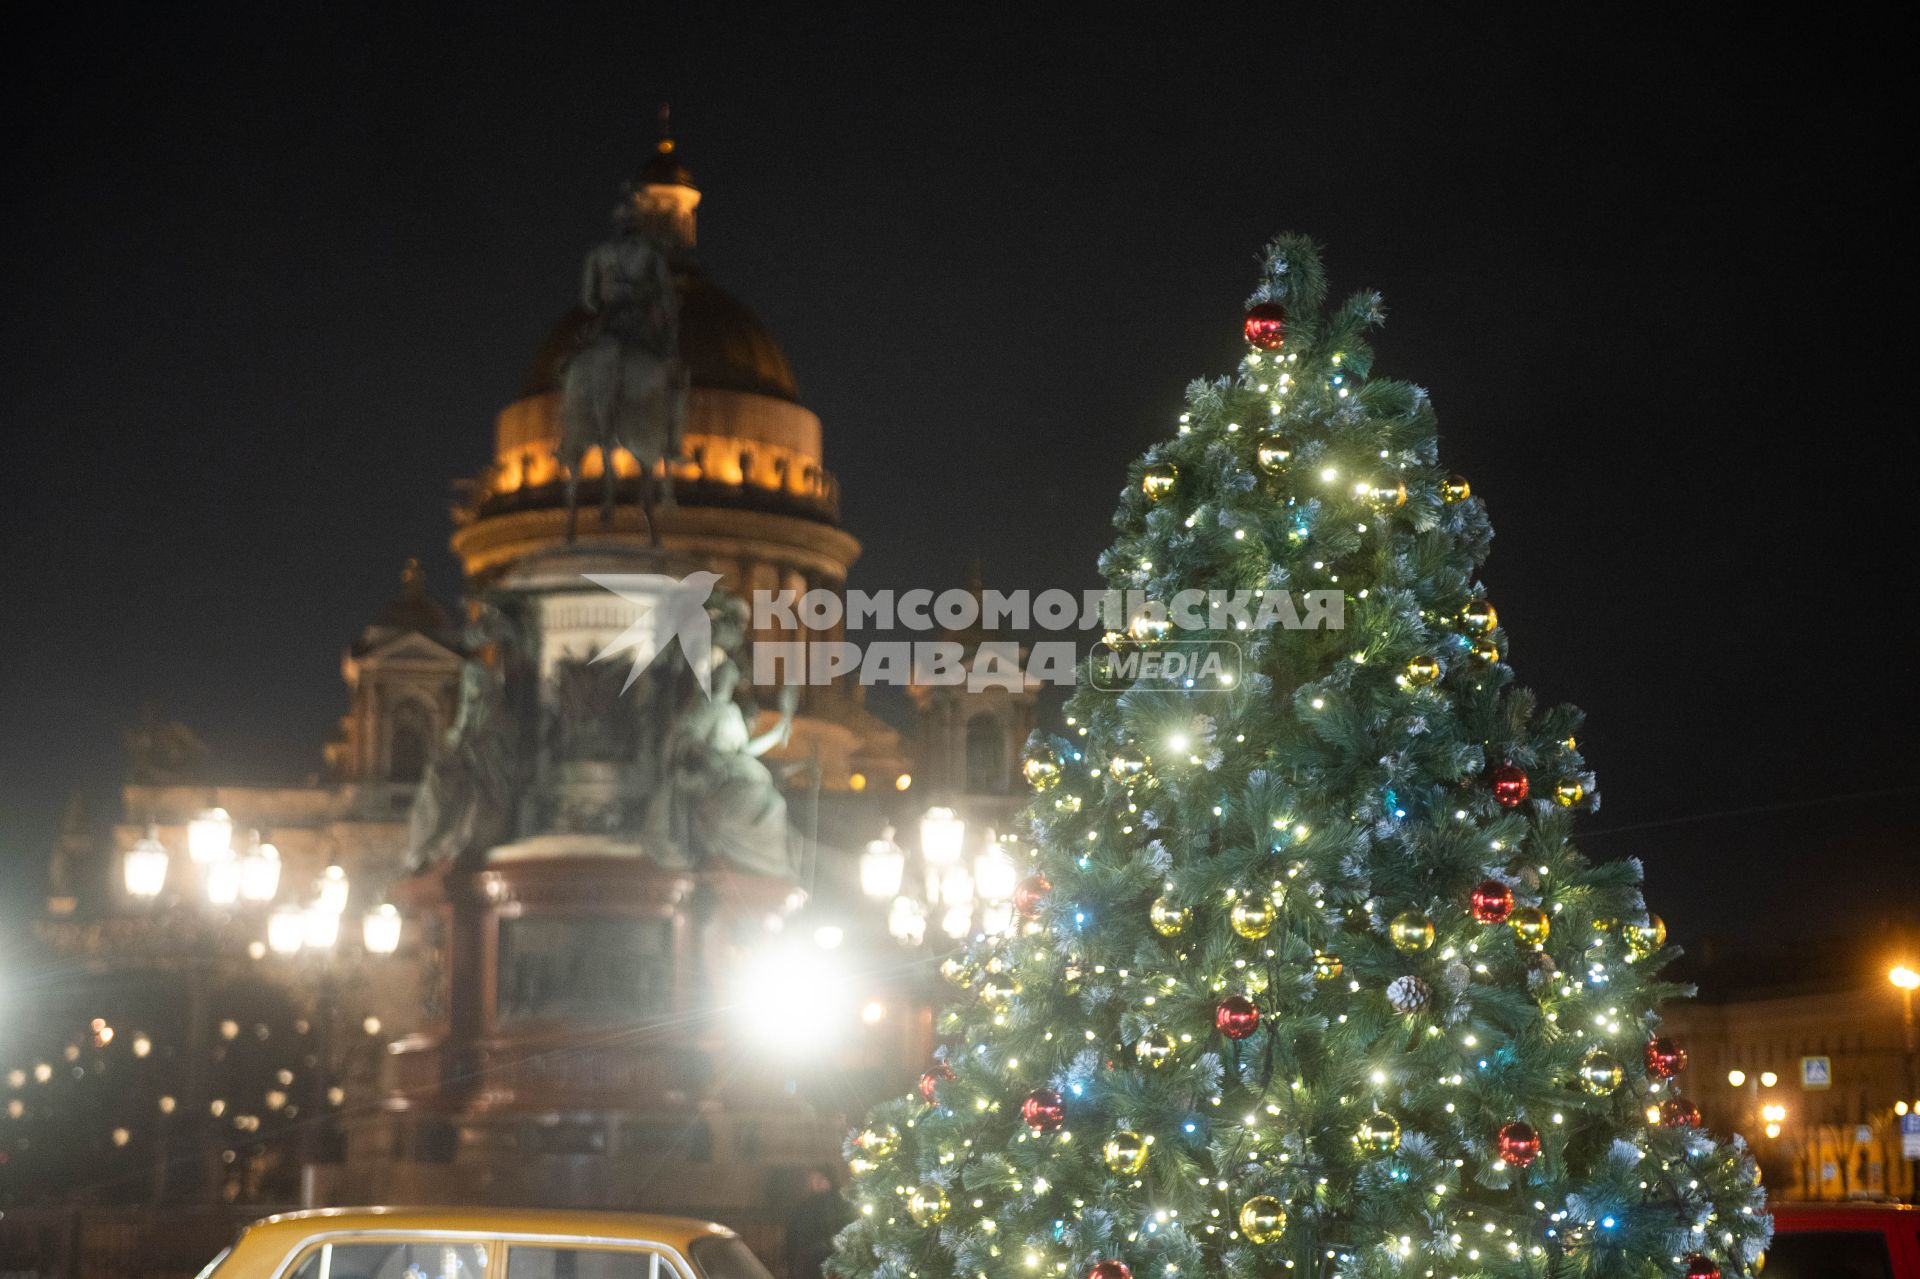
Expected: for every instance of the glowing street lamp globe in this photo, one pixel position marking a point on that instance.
(907, 921)
(222, 882)
(286, 930)
(957, 888)
(942, 835)
(882, 866)
(994, 874)
(957, 921)
(210, 837)
(320, 927)
(260, 873)
(332, 892)
(145, 867)
(380, 930)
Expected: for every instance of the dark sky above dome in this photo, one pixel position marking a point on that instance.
(271, 270)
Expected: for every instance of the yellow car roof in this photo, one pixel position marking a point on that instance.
(678, 1232)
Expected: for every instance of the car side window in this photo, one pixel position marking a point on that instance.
(542, 1261)
(1829, 1254)
(724, 1257)
(394, 1259)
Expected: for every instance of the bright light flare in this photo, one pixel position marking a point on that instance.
(793, 999)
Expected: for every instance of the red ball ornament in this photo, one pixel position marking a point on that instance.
(930, 1082)
(1509, 783)
(1118, 1270)
(1237, 1017)
(1032, 892)
(1043, 1110)
(1266, 325)
(1678, 1112)
(1492, 902)
(1519, 1143)
(1665, 1059)
(1699, 1267)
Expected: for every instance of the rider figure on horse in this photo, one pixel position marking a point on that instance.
(624, 387)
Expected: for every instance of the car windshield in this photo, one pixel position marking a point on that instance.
(724, 1257)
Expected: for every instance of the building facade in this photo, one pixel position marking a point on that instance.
(1817, 1080)
(211, 931)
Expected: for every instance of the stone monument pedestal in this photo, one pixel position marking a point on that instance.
(601, 851)
(578, 1048)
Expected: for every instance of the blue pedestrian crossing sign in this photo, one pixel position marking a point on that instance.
(1910, 1135)
(1816, 1073)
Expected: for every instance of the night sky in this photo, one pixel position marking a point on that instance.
(271, 271)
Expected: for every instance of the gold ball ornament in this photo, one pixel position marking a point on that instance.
(1378, 1133)
(1157, 480)
(1530, 924)
(1072, 975)
(956, 969)
(1043, 772)
(1252, 917)
(1410, 931)
(996, 991)
(1154, 1049)
(1168, 919)
(1422, 671)
(1456, 489)
(878, 1143)
(1262, 1219)
(927, 1205)
(1388, 494)
(1326, 967)
(1599, 1073)
(1125, 1152)
(1569, 792)
(1480, 617)
(1273, 453)
(1643, 939)
(1123, 766)
(1145, 628)
(1485, 651)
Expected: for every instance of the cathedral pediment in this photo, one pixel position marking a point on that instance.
(411, 647)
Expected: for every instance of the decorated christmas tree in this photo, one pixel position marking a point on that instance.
(1310, 977)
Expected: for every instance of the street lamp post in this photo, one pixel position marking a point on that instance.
(1771, 1115)
(233, 883)
(961, 894)
(312, 933)
(1907, 980)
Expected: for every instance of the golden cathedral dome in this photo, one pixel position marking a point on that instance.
(723, 343)
(749, 450)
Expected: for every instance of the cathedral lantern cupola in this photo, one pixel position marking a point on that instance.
(663, 196)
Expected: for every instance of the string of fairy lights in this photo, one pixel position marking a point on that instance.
(1308, 975)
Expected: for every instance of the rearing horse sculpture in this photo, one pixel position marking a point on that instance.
(624, 386)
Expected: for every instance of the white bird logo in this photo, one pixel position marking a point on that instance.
(671, 607)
